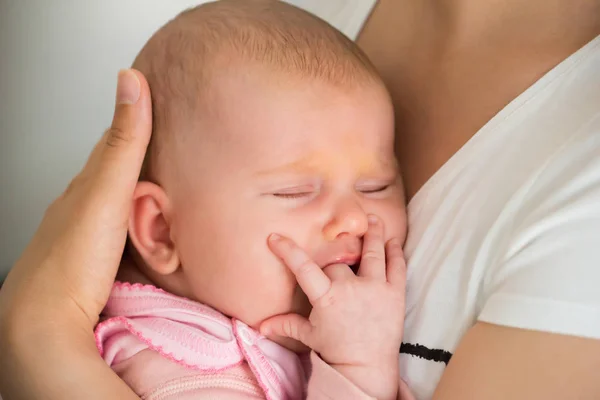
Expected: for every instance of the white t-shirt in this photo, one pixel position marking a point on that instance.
(508, 230)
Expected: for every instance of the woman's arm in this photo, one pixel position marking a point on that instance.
(52, 297)
(495, 362)
(40, 363)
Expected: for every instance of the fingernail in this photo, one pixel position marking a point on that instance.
(265, 331)
(373, 219)
(274, 237)
(128, 87)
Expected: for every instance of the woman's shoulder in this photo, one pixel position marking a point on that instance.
(348, 16)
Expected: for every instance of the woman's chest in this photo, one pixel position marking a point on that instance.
(443, 91)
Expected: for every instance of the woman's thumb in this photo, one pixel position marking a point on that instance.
(133, 115)
(117, 159)
(292, 326)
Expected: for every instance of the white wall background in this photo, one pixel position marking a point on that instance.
(58, 65)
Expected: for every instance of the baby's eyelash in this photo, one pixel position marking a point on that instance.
(291, 195)
(375, 190)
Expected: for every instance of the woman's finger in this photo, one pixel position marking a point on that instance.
(372, 264)
(395, 263)
(310, 277)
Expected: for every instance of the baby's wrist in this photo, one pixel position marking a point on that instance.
(380, 382)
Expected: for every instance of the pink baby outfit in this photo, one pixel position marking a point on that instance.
(168, 347)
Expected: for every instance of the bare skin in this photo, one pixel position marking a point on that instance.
(450, 67)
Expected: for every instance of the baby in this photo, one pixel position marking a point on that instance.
(266, 120)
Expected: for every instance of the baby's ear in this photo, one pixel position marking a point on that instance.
(149, 228)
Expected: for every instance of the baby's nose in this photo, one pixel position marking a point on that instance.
(348, 219)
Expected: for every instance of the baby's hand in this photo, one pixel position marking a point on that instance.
(357, 321)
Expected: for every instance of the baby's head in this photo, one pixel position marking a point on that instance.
(266, 120)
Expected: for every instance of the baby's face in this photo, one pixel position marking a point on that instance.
(306, 160)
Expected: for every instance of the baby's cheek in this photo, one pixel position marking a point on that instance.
(275, 284)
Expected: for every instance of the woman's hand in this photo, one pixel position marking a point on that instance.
(54, 294)
(357, 321)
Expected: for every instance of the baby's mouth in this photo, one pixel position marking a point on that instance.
(351, 260)
(354, 266)
(343, 253)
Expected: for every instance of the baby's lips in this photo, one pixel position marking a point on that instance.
(350, 259)
(343, 251)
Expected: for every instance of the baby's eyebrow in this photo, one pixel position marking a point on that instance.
(301, 165)
(312, 164)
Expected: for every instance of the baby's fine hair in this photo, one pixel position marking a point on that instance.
(180, 58)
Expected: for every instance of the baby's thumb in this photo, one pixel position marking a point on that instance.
(291, 325)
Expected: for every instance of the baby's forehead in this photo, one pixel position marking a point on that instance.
(298, 120)
(183, 59)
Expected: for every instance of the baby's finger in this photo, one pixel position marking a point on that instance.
(372, 264)
(396, 264)
(338, 272)
(310, 277)
(292, 326)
